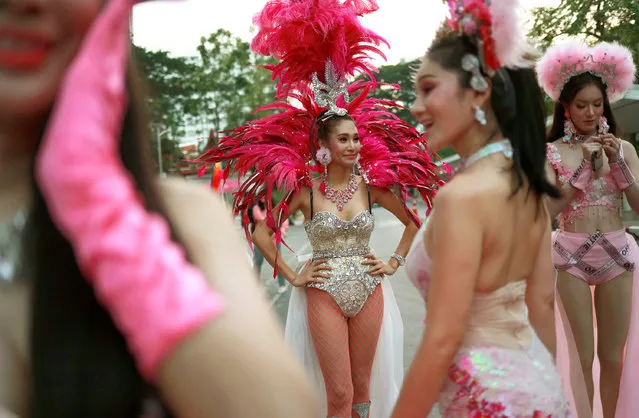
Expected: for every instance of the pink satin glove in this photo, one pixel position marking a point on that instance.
(581, 176)
(155, 297)
(622, 174)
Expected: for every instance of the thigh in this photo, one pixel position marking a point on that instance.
(364, 329)
(576, 298)
(613, 302)
(329, 331)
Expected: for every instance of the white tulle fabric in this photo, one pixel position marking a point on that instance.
(388, 367)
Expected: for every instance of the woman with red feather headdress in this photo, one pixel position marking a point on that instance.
(343, 318)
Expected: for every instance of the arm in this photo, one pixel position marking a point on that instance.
(387, 199)
(556, 206)
(632, 164)
(262, 238)
(540, 293)
(237, 365)
(456, 236)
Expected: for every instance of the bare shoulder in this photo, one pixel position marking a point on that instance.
(628, 148)
(472, 191)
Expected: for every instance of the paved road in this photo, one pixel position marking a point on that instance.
(384, 241)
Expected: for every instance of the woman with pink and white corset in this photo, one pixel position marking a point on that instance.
(592, 252)
(482, 263)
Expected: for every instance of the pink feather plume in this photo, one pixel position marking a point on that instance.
(511, 45)
(305, 34)
(610, 61)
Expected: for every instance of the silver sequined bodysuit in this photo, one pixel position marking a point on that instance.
(343, 243)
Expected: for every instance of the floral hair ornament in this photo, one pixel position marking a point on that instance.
(609, 61)
(494, 27)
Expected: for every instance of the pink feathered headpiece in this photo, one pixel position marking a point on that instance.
(496, 28)
(610, 61)
(306, 34)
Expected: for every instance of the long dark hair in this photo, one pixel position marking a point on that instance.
(80, 363)
(568, 94)
(519, 108)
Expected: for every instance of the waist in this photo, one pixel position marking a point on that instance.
(512, 337)
(590, 218)
(341, 252)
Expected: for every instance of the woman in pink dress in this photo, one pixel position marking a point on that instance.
(482, 261)
(101, 307)
(596, 259)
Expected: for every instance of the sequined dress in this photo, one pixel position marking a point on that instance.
(496, 373)
(343, 243)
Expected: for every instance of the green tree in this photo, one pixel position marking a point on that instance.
(231, 81)
(170, 91)
(401, 74)
(594, 20)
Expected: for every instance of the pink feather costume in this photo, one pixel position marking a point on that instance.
(614, 65)
(352, 353)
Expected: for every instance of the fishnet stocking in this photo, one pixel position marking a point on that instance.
(332, 335)
(363, 330)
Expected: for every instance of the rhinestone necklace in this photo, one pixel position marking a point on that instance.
(502, 146)
(339, 197)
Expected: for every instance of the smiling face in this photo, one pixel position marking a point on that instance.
(343, 142)
(441, 105)
(38, 40)
(586, 109)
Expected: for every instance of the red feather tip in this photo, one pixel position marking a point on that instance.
(304, 34)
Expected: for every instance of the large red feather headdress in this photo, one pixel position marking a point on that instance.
(320, 43)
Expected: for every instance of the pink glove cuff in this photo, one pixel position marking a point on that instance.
(582, 175)
(622, 174)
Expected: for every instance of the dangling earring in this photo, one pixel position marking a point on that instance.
(603, 125)
(323, 156)
(569, 129)
(480, 115)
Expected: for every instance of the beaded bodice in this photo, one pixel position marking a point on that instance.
(332, 236)
(602, 191)
(343, 244)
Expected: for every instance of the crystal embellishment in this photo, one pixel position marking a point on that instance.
(327, 93)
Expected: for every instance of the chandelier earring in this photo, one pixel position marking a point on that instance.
(570, 132)
(480, 115)
(323, 156)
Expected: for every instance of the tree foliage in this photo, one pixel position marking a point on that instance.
(214, 91)
(594, 20)
(401, 74)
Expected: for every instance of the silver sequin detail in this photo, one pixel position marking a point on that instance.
(343, 243)
(362, 409)
(326, 94)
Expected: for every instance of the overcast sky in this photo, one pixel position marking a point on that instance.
(176, 26)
